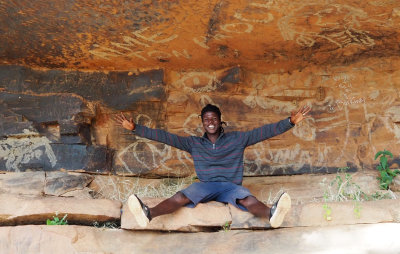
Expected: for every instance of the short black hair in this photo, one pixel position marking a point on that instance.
(211, 108)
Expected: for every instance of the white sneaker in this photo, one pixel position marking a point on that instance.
(139, 210)
(279, 210)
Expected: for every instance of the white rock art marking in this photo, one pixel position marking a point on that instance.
(17, 151)
(159, 156)
(342, 31)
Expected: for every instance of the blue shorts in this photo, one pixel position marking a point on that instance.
(225, 192)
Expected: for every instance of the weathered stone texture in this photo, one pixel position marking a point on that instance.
(53, 114)
(351, 120)
(288, 35)
(357, 239)
(36, 210)
(59, 183)
(26, 183)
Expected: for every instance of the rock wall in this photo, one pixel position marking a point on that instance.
(53, 119)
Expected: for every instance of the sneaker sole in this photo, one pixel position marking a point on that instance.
(137, 211)
(283, 207)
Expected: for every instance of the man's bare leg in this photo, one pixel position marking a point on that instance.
(169, 205)
(275, 214)
(255, 207)
(143, 214)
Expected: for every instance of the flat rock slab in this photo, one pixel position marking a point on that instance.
(308, 187)
(59, 183)
(355, 239)
(202, 218)
(18, 210)
(314, 214)
(214, 214)
(27, 183)
(46, 183)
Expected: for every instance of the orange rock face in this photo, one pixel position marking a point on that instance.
(261, 35)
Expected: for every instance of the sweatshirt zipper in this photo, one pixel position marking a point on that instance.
(213, 145)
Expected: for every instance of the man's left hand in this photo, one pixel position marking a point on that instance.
(300, 115)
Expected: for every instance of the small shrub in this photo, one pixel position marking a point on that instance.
(57, 221)
(386, 174)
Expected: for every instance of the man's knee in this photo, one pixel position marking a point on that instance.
(247, 201)
(180, 198)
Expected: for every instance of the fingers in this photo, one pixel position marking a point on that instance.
(304, 110)
(120, 118)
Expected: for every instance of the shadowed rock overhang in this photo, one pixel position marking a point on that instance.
(260, 35)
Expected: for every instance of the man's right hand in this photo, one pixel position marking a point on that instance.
(124, 122)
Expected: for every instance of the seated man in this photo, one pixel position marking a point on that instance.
(218, 161)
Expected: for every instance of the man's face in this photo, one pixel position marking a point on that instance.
(211, 122)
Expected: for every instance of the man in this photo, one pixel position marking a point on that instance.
(218, 161)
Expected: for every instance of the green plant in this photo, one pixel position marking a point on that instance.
(57, 221)
(386, 174)
(227, 226)
(343, 188)
(379, 195)
(357, 209)
(327, 208)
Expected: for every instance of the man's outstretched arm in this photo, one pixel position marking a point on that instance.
(162, 136)
(270, 130)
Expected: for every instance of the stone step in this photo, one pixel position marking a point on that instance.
(19, 210)
(354, 239)
(214, 214)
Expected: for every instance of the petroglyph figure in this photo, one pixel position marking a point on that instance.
(18, 151)
(198, 82)
(335, 23)
(159, 154)
(132, 45)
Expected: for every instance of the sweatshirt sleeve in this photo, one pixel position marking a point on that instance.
(266, 131)
(182, 143)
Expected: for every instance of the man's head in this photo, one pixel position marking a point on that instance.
(211, 108)
(211, 118)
